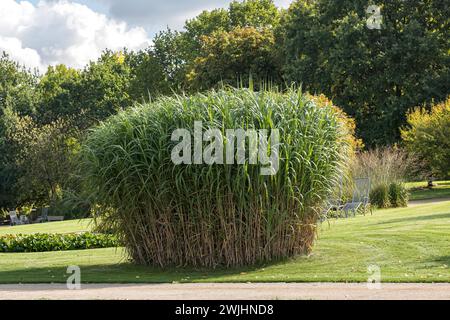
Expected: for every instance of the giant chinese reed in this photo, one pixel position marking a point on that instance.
(216, 215)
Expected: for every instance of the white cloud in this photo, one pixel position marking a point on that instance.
(53, 32)
(47, 32)
(24, 56)
(155, 15)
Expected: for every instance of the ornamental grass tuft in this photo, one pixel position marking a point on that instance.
(216, 215)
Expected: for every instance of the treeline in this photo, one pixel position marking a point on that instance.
(324, 46)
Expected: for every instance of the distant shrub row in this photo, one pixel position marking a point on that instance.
(55, 242)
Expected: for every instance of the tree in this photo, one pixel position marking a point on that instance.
(248, 13)
(17, 87)
(231, 57)
(147, 76)
(60, 92)
(253, 13)
(205, 24)
(17, 95)
(170, 50)
(44, 158)
(178, 51)
(104, 88)
(428, 135)
(376, 75)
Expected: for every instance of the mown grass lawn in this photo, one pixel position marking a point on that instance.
(419, 190)
(71, 226)
(409, 245)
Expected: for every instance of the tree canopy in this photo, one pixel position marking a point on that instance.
(376, 75)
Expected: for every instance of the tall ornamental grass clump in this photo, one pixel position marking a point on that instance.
(384, 165)
(379, 196)
(398, 195)
(220, 214)
(387, 169)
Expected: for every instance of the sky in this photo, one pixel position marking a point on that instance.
(39, 33)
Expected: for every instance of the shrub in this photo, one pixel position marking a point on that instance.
(398, 195)
(391, 195)
(379, 196)
(42, 242)
(428, 135)
(211, 215)
(385, 165)
(3, 214)
(387, 169)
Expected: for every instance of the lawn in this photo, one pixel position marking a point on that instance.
(72, 226)
(409, 245)
(419, 190)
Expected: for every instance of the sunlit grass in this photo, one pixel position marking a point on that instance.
(72, 226)
(408, 244)
(420, 191)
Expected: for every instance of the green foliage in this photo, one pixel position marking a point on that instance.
(389, 195)
(69, 202)
(379, 196)
(210, 215)
(16, 87)
(41, 242)
(234, 57)
(148, 79)
(205, 24)
(375, 75)
(104, 87)
(59, 89)
(179, 52)
(324, 45)
(398, 195)
(3, 214)
(43, 158)
(254, 13)
(172, 51)
(428, 135)
(259, 14)
(17, 95)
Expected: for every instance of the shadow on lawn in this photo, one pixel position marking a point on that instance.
(418, 218)
(125, 272)
(442, 260)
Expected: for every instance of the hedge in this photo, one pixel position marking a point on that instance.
(42, 242)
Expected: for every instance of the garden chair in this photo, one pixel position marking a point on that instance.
(360, 199)
(14, 218)
(24, 219)
(43, 217)
(333, 204)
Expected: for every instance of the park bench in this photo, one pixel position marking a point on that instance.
(55, 218)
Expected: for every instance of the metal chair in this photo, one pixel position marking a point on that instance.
(14, 218)
(360, 199)
(333, 204)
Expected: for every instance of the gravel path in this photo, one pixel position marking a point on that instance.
(260, 291)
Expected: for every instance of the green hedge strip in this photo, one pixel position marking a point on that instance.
(41, 242)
